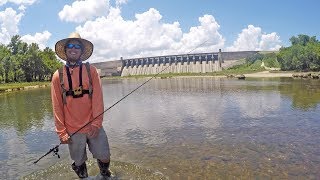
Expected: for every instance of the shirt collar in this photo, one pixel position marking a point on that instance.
(78, 63)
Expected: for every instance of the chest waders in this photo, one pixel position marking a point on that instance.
(79, 91)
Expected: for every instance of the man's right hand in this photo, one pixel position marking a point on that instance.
(68, 141)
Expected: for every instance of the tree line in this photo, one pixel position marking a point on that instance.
(20, 62)
(302, 55)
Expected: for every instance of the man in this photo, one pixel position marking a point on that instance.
(77, 100)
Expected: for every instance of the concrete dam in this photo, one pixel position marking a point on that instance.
(182, 63)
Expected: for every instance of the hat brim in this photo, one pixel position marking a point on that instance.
(86, 50)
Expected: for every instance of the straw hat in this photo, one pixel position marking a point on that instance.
(86, 49)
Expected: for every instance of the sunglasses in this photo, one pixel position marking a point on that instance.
(70, 46)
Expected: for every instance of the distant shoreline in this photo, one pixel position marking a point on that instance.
(254, 75)
(269, 74)
(19, 87)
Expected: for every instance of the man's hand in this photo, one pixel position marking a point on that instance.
(93, 132)
(66, 141)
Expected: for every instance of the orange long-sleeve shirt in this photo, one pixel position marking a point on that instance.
(78, 111)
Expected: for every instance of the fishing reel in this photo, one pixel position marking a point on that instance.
(55, 151)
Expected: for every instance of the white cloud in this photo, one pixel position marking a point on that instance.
(39, 38)
(206, 32)
(22, 8)
(9, 20)
(18, 2)
(252, 39)
(270, 42)
(147, 35)
(81, 11)
(120, 2)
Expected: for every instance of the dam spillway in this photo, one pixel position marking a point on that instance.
(186, 63)
(181, 63)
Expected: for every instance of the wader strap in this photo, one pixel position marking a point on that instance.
(64, 96)
(90, 78)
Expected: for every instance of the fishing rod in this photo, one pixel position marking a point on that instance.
(55, 149)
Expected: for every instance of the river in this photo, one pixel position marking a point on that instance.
(177, 128)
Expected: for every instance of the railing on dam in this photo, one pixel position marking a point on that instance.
(183, 63)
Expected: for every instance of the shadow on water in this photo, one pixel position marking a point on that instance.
(120, 171)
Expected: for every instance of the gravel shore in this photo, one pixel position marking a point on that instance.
(269, 74)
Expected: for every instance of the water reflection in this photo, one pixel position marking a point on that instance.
(305, 93)
(22, 110)
(25, 128)
(232, 126)
(180, 128)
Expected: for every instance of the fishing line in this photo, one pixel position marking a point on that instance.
(55, 149)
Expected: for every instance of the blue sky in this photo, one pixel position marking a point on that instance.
(137, 28)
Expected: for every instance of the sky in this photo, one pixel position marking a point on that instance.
(142, 28)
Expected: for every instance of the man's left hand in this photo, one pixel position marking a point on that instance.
(93, 132)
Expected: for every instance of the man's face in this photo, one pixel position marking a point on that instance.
(73, 51)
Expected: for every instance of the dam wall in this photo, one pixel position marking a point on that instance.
(182, 63)
(109, 68)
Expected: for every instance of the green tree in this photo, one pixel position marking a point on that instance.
(18, 51)
(4, 53)
(302, 39)
(14, 48)
(303, 55)
(7, 65)
(22, 62)
(30, 64)
(50, 61)
(313, 54)
(270, 60)
(253, 58)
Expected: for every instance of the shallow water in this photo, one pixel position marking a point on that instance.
(178, 128)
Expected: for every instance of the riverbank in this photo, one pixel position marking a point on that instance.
(25, 86)
(269, 74)
(219, 74)
(9, 87)
(260, 74)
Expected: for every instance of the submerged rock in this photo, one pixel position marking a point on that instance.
(241, 76)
